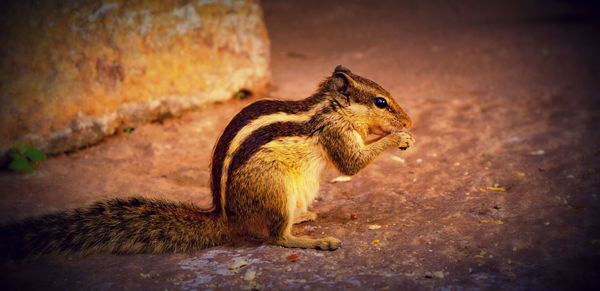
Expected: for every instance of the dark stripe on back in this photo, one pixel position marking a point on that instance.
(243, 118)
(253, 143)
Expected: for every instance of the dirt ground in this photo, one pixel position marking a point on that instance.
(501, 94)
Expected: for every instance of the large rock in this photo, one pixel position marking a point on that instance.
(72, 71)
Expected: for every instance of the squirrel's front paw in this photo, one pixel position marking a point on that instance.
(329, 243)
(404, 139)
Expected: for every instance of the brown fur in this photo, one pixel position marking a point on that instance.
(268, 158)
(249, 113)
(124, 226)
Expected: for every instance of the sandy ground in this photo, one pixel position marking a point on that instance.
(501, 95)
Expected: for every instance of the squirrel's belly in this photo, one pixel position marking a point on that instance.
(303, 187)
(303, 162)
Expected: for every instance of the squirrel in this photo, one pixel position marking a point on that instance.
(265, 171)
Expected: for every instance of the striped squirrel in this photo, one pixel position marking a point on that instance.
(265, 172)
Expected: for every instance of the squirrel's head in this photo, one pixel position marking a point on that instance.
(369, 107)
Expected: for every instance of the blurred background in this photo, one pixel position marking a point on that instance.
(500, 191)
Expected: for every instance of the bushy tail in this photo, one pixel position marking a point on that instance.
(134, 225)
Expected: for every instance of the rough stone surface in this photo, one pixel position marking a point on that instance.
(500, 93)
(73, 72)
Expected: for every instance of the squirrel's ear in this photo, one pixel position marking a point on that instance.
(342, 82)
(342, 69)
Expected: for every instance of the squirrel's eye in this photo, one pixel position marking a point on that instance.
(380, 102)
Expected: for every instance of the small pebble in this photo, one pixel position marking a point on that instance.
(250, 275)
(438, 274)
(238, 263)
(398, 159)
(515, 139)
(340, 179)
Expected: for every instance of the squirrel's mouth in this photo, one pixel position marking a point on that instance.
(376, 133)
(379, 131)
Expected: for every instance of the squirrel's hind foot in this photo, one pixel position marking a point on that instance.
(329, 243)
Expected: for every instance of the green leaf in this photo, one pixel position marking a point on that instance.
(242, 94)
(21, 164)
(128, 130)
(14, 154)
(21, 149)
(34, 154)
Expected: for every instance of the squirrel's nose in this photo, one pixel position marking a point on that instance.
(406, 122)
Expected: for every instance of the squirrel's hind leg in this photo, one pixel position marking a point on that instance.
(327, 243)
(305, 217)
(281, 230)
